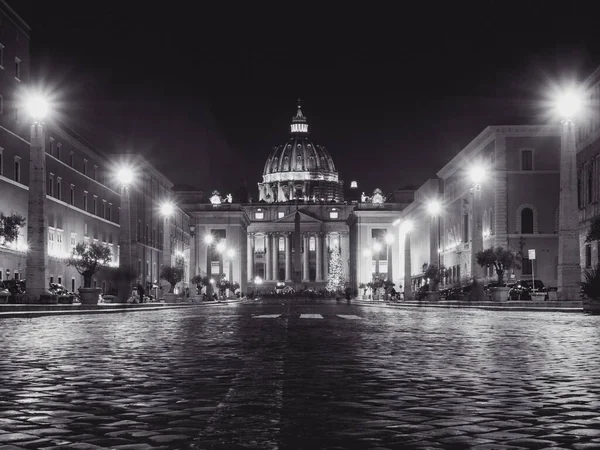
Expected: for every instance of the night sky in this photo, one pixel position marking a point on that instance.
(206, 89)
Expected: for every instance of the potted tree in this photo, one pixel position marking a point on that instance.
(502, 259)
(433, 274)
(590, 289)
(364, 287)
(200, 282)
(172, 275)
(87, 260)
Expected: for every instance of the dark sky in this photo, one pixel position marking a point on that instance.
(208, 88)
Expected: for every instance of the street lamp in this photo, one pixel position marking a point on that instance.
(166, 209)
(257, 282)
(405, 229)
(435, 210)
(477, 175)
(37, 217)
(125, 177)
(569, 105)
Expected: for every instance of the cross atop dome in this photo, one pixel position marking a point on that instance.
(299, 124)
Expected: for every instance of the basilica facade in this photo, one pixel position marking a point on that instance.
(256, 243)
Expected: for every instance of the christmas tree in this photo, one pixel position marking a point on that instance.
(335, 280)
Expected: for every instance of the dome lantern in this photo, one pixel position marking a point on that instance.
(299, 125)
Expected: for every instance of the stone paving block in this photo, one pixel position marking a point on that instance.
(15, 437)
(168, 438)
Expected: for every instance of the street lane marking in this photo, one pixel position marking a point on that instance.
(267, 316)
(311, 316)
(349, 316)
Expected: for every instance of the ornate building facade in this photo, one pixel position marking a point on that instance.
(255, 242)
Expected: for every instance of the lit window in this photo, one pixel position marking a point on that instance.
(259, 214)
(312, 244)
(281, 244)
(353, 184)
(526, 159)
(334, 214)
(280, 214)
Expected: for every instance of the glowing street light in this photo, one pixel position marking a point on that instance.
(37, 107)
(367, 252)
(125, 176)
(377, 247)
(209, 239)
(167, 208)
(221, 247)
(389, 238)
(477, 174)
(231, 253)
(569, 104)
(434, 207)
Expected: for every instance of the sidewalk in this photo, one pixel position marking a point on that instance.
(547, 306)
(23, 310)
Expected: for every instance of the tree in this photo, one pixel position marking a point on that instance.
(335, 279)
(590, 286)
(89, 259)
(502, 259)
(173, 274)
(594, 231)
(200, 281)
(9, 227)
(434, 274)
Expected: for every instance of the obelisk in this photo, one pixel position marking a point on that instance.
(297, 271)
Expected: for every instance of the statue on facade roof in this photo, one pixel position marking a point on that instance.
(216, 198)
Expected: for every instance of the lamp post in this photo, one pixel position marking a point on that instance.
(257, 282)
(405, 228)
(568, 104)
(37, 219)
(477, 176)
(209, 240)
(435, 210)
(167, 209)
(389, 240)
(125, 178)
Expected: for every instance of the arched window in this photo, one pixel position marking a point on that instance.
(312, 244)
(274, 165)
(527, 221)
(299, 162)
(282, 244)
(286, 163)
(311, 163)
(323, 165)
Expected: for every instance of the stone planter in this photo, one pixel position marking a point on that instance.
(89, 296)
(170, 298)
(4, 298)
(591, 306)
(65, 299)
(538, 296)
(433, 296)
(499, 294)
(109, 298)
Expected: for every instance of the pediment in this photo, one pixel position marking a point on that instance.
(304, 218)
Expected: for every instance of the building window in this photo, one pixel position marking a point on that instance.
(110, 211)
(18, 69)
(312, 244)
(95, 170)
(1, 104)
(18, 169)
(465, 228)
(280, 214)
(588, 256)
(527, 221)
(71, 159)
(52, 145)
(50, 185)
(1, 56)
(334, 214)
(103, 209)
(95, 205)
(526, 159)
(259, 214)
(1, 161)
(72, 195)
(118, 215)
(85, 204)
(85, 229)
(85, 161)
(58, 147)
(59, 188)
(590, 184)
(282, 244)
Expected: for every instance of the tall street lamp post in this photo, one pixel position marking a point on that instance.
(477, 175)
(435, 210)
(167, 209)
(37, 221)
(209, 240)
(125, 179)
(568, 105)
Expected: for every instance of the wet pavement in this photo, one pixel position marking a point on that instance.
(296, 375)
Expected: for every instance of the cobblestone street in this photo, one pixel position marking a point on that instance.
(295, 375)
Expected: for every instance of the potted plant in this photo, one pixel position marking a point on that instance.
(433, 275)
(364, 287)
(172, 275)
(87, 260)
(377, 284)
(502, 259)
(590, 289)
(200, 282)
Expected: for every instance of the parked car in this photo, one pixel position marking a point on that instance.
(523, 289)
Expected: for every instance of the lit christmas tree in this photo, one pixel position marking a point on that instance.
(335, 280)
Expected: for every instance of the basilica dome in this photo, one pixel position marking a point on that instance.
(300, 169)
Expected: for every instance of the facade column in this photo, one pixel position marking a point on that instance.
(275, 261)
(305, 266)
(345, 255)
(407, 268)
(267, 256)
(288, 257)
(569, 264)
(319, 251)
(37, 218)
(476, 233)
(250, 257)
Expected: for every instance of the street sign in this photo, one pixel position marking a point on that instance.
(532, 253)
